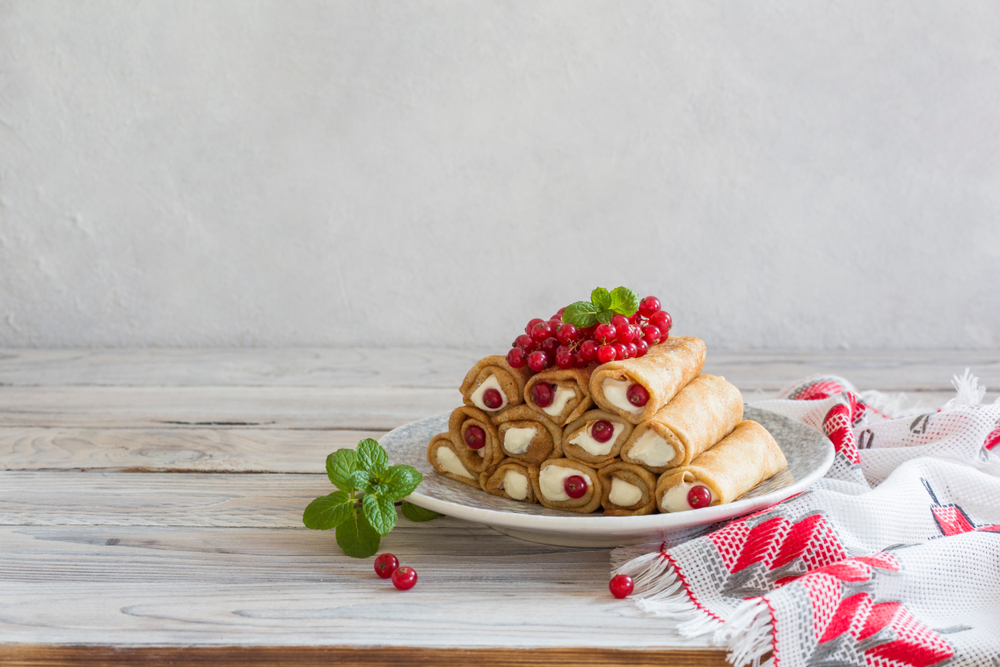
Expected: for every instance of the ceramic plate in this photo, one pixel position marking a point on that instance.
(809, 456)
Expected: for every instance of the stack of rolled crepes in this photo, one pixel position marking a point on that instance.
(644, 435)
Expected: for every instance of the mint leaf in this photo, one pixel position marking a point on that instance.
(415, 513)
(402, 481)
(339, 467)
(581, 314)
(328, 512)
(380, 512)
(605, 316)
(624, 301)
(601, 298)
(357, 537)
(361, 480)
(372, 457)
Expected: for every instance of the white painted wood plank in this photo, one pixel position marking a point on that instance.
(172, 449)
(429, 367)
(262, 407)
(292, 587)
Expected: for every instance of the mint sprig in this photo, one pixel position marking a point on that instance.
(603, 306)
(363, 509)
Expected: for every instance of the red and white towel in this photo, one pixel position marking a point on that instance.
(891, 560)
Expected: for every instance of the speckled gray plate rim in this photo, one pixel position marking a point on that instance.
(809, 454)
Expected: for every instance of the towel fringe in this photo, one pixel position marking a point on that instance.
(749, 634)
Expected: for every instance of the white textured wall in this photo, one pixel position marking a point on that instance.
(782, 174)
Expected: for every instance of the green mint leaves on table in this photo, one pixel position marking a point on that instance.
(603, 305)
(363, 509)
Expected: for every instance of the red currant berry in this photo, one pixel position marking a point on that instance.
(602, 430)
(604, 333)
(575, 486)
(662, 321)
(621, 354)
(404, 578)
(526, 343)
(621, 586)
(541, 331)
(605, 353)
(637, 395)
(516, 358)
(541, 394)
(475, 437)
(652, 334)
(492, 398)
(642, 348)
(538, 361)
(619, 321)
(649, 306)
(549, 345)
(699, 496)
(566, 333)
(531, 325)
(385, 565)
(633, 350)
(635, 319)
(564, 360)
(624, 334)
(579, 361)
(561, 311)
(588, 350)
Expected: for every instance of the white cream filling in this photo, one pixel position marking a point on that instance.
(560, 398)
(586, 441)
(515, 485)
(652, 450)
(490, 383)
(676, 497)
(450, 462)
(516, 440)
(616, 393)
(552, 478)
(624, 494)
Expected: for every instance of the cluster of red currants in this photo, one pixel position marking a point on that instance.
(554, 342)
(387, 567)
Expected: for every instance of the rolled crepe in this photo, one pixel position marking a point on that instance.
(741, 461)
(570, 393)
(442, 455)
(494, 372)
(511, 479)
(480, 460)
(588, 450)
(663, 371)
(627, 490)
(526, 435)
(550, 491)
(700, 415)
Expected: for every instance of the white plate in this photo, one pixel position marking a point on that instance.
(809, 456)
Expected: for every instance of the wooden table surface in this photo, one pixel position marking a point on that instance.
(151, 511)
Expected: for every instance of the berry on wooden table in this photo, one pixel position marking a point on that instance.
(575, 486)
(621, 586)
(385, 565)
(475, 437)
(404, 578)
(541, 394)
(699, 496)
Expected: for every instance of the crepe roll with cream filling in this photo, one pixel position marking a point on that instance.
(476, 440)
(595, 438)
(700, 415)
(528, 436)
(559, 394)
(493, 384)
(738, 463)
(441, 454)
(628, 490)
(564, 484)
(511, 479)
(637, 388)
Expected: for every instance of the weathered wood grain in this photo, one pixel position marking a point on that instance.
(427, 367)
(175, 449)
(108, 584)
(376, 656)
